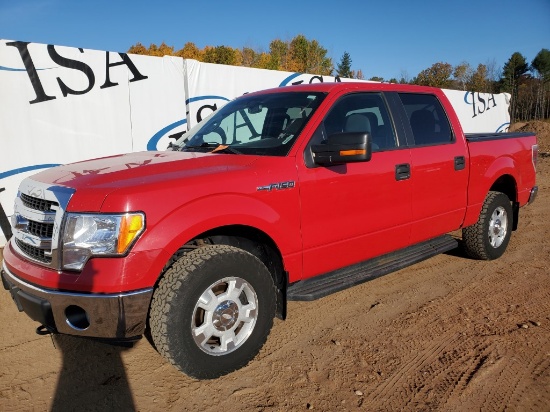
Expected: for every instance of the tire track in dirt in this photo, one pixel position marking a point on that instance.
(449, 366)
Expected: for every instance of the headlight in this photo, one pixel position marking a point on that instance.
(87, 235)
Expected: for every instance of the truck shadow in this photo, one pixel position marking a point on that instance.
(92, 377)
(458, 251)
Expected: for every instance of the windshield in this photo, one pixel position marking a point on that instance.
(261, 125)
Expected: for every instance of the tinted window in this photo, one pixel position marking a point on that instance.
(361, 112)
(427, 118)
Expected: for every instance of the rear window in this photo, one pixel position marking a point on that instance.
(427, 118)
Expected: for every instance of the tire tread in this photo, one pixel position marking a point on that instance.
(176, 278)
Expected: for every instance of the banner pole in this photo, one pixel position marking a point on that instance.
(4, 222)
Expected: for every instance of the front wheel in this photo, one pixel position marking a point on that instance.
(489, 237)
(212, 311)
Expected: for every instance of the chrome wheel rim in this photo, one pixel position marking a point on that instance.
(498, 227)
(224, 316)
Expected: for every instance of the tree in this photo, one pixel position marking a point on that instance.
(541, 66)
(377, 79)
(220, 55)
(541, 63)
(515, 67)
(462, 74)
(478, 81)
(318, 62)
(404, 77)
(262, 61)
(309, 56)
(248, 57)
(138, 48)
(162, 50)
(513, 70)
(190, 51)
(438, 75)
(357, 75)
(344, 67)
(279, 57)
(493, 75)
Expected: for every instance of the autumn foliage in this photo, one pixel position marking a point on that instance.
(297, 55)
(529, 84)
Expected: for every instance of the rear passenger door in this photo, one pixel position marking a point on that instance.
(439, 170)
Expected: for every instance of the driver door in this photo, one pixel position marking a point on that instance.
(355, 211)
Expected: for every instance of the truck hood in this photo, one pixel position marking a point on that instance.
(94, 179)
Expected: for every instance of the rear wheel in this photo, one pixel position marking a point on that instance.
(489, 237)
(212, 311)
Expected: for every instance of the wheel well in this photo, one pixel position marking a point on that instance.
(251, 240)
(506, 184)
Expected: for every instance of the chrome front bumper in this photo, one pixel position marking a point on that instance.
(115, 316)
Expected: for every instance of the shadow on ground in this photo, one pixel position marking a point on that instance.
(92, 377)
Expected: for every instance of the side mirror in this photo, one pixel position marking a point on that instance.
(343, 148)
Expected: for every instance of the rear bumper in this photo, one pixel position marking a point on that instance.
(533, 195)
(109, 316)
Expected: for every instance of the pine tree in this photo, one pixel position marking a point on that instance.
(344, 67)
(513, 70)
(541, 66)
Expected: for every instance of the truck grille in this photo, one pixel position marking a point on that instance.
(34, 252)
(39, 210)
(40, 229)
(38, 204)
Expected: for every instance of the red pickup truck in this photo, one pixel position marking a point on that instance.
(285, 194)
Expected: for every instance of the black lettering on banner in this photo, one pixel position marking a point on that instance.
(125, 60)
(212, 107)
(337, 79)
(72, 64)
(41, 95)
(492, 98)
(484, 103)
(473, 103)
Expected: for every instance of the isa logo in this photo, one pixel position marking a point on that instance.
(200, 107)
(161, 139)
(480, 102)
(301, 78)
(503, 128)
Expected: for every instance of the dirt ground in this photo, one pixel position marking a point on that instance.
(448, 334)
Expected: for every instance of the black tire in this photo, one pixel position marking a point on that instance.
(489, 237)
(222, 332)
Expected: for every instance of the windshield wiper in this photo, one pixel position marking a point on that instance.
(203, 147)
(225, 149)
(217, 148)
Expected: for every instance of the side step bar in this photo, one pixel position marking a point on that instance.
(328, 283)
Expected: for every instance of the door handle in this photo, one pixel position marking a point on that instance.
(460, 163)
(402, 171)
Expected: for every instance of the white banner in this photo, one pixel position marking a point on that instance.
(481, 112)
(64, 104)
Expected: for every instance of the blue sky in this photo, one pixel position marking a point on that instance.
(387, 38)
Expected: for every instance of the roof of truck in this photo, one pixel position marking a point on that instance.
(359, 86)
